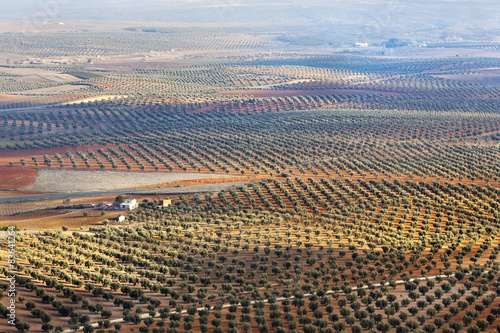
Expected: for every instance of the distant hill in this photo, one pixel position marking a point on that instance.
(327, 22)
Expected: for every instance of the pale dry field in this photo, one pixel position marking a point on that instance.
(94, 99)
(30, 78)
(57, 89)
(67, 77)
(4, 98)
(72, 181)
(27, 71)
(486, 76)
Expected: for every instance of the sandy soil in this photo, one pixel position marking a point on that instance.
(71, 181)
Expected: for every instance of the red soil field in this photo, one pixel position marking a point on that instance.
(15, 156)
(9, 155)
(16, 178)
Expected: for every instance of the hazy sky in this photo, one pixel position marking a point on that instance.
(428, 13)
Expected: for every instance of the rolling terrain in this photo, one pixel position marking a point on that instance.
(311, 191)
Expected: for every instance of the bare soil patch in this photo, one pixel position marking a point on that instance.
(71, 181)
(4, 98)
(26, 71)
(16, 178)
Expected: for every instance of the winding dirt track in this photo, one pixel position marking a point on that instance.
(279, 299)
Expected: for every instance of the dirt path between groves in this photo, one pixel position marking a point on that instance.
(278, 299)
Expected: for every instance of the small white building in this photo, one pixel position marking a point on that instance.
(361, 44)
(121, 218)
(129, 204)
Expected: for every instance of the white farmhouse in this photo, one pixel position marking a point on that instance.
(129, 204)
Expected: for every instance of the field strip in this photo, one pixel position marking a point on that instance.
(278, 299)
(74, 181)
(55, 89)
(160, 191)
(95, 99)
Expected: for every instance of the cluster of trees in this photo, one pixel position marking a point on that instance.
(184, 259)
(189, 89)
(358, 199)
(239, 147)
(104, 44)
